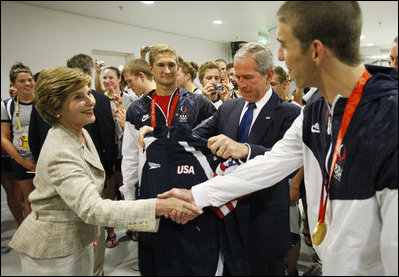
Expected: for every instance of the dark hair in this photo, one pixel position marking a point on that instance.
(338, 24)
(117, 71)
(17, 68)
(395, 40)
(82, 61)
(36, 76)
(229, 65)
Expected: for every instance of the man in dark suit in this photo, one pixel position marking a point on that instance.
(255, 236)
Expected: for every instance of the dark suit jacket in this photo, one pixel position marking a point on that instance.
(102, 132)
(259, 226)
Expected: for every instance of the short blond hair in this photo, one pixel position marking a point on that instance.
(205, 66)
(52, 88)
(161, 49)
(136, 66)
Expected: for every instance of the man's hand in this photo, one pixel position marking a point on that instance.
(209, 91)
(184, 195)
(225, 147)
(225, 95)
(142, 131)
(99, 65)
(294, 189)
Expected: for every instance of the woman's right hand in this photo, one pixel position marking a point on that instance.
(178, 210)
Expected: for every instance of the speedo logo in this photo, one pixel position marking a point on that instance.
(153, 165)
(185, 169)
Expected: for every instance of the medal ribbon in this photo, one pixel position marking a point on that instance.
(17, 114)
(123, 106)
(171, 109)
(350, 108)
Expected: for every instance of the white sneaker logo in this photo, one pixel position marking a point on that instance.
(145, 117)
(315, 128)
(154, 165)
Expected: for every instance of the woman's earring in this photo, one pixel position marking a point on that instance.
(57, 116)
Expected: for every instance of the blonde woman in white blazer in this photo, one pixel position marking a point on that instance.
(67, 208)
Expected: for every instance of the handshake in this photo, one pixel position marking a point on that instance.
(178, 205)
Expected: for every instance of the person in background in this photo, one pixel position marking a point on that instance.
(119, 102)
(235, 91)
(186, 75)
(15, 116)
(222, 66)
(393, 55)
(14, 194)
(214, 89)
(281, 83)
(67, 204)
(346, 142)
(138, 77)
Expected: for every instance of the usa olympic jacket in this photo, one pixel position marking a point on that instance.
(175, 158)
(192, 109)
(362, 210)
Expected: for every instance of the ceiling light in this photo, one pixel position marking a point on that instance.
(217, 22)
(148, 2)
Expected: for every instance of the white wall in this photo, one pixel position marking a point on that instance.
(40, 37)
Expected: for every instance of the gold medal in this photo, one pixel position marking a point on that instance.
(319, 233)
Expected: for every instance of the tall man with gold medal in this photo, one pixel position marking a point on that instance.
(347, 142)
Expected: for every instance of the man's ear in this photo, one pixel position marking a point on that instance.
(269, 75)
(318, 51)
(141, 75)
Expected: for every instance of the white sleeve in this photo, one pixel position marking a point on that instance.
(130, 161)
(388, 202)
(261, 172)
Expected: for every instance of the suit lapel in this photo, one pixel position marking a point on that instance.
(264, 119)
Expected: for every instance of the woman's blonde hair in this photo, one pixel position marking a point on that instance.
(189, 68)
(52, 88)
